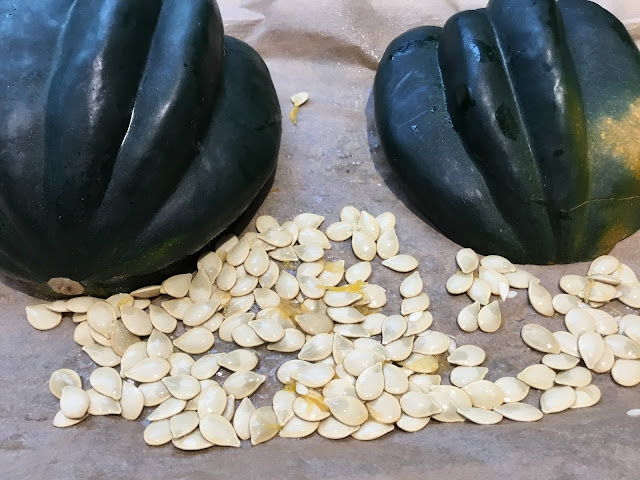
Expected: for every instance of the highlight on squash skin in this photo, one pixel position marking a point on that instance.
(621, 139)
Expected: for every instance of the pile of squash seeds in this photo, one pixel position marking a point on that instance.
(359, 372)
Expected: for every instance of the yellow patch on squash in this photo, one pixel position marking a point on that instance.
(622, 138)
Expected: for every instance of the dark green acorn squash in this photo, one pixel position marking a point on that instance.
(132, 132)
(516, 128)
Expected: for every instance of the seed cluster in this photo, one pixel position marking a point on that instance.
(358, 372)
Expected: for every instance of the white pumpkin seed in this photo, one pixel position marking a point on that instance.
(497, 282)
(364, 247)
(339, 387)
(177, 286)
(158, 433)
(265, 222)
(243, 384)
(131, 401)
(308, 220)
(200, 288)
(419, 405)
(604, 265)
(42, 318)
(103, 356)
(347, 410)
(100, 339)
(183, 424)
(480, 291)
(80, 304)
(194, 341)
(270, 277)
(298, 428)
(149, 369)
(597, 292)
(245, 336)
(606, 361)
(358, 360)
(332, 273)
(418, 362)
(191, 442)
(121, 338)
(341, 298)
(339, 231)
(539, 338)
(519, 412)
(314, 376)
(431, 343)
(557, 399)
(107, 381)
(359, 271)
(370, 384)
(591, 347)
(393, 327)
(586, 396)
(284, 254)
(467, 260)
(377, 296)
(573, 284)
(468, 317)
(448, 408)
(574, 377)
(490, 317)
(227, 278)
(539, 377)
(212, 400)
(401, 263)
(287, 286)
(370, 430)
(82, 334)
(317, 348)
(480, 415)
(623, 347)
(224, 244)
(241, 419)
(154, 393)
(313, 237)
(263, 425)
(498, 263)
(519, 278)
(162, 320)
(579, 321)
(384, 409)
(467, 356)
(626, 372)
(560, 361)
(412, 424)
(411, 286)
(564, 302)
(61, 378)
(630, 295)
(417, 322)
(368, 225)
(459, 283)
(568, 343)
(418, 303)
(514, 390)
(540, 299)
(101, 317)
(310, 406)
(387, 245)
(334, 430)
(101, 404)
(59, 306)
(211, 263)
(74, 402)
(219, 431)
(244, 286)
(424, 382)
(346, 315)
(292, 341)
(181, 363)
(463, 376)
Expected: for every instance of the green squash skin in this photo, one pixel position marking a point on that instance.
(171, 153)
(495, 124)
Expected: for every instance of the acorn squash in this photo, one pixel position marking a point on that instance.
(132, 133)
(516, 128)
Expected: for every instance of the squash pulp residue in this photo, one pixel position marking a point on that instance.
(622, 138)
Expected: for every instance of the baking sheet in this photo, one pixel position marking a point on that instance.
(331, 159)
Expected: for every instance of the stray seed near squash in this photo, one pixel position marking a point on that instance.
(603, 265)
(519, 412)
(194, 341)
(298, 99)
(401, 263)
(363, 246)
(103, 356)
(80, 304)
(490, 317)
(514, 390)
(467, 260)
(59, 306)
(573, 284)
(498, 264)
(480, 291)
(540, 299)
(178, 285)
(61, 378)
(468, 317)
(265, 222)
(539, 338)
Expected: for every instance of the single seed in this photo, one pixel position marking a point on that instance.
(573, 284)
(137, 321)
(158, 433)
(358, 360)
(603, 265)
(309, 406)
(309, 253)
(82, 334)
(431, 343)
(200, 288)
(103, 356)
(121, 338)
(497, 282)
(283, 405)
(364, 247)
(263, 425)
(387, 245)
(370, 383)
(292, 341)
(623, 347)
(154, 393)
(597, 292)
(586, 396)
(417, 362)
(485, 394)
(360, 271)
(347, 410)
(284, 254)
(519, 412)
(270, 277)
(468, 317)
(161, 319)
(480, 415)
(490, 317)
(317, 348)
(467, 260)
(211, 263)
(560, 361)
(463, 376)
(347, 315)
(74, 402)
(519, 279)
(626, 372)
(368, 225)
(240, 251)
(557, 399)
(540, 299)
(244, 286)
(539, 338)
(539, 377)
(630, 295)
(80, 304)
(245, 336)
(341, 298)
(242, 417)
(42, 318)
(212, 400)
(61, 378)
(448, 408)
(308, 220)
(287, 286)
(177, 286)
(131, 401)
(298, 428)
(606, 361)
(480, 291)
(467, 356)
(568, 343)
(419, 405)
(514, 390)
(183, 387)
(332, 273)
(401, 263)
(191, 442)
(265, 222)
(194, 341)
(393, 327)
(417, 322)
(313, 237)
(412, 424)
(101, 316)
(339, 231)
(334, 430)
(243, 384)
(459, 283)
(107, 381)
(101, 404)
(181, 363)
(424, 382)
(564, 302)
(315, 375)
(605, 324)
(385, 409)
(591, 347)
(415, 304)
(219, 431)
(183, 424)
(574, 377)
(370, 430)
(148, 370)
(497, 263)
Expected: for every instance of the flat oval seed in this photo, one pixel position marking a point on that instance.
(265, 222)
(626, 372)
(317, 347)
(514, 390)
(206, 366)
(347, 410)
(292, 341)
(412, 424)
(480, 291)
(154, 393)
(240, 360)
(411, 286)
(103, 356)
(560, 361)
(463, 376)
(431, 343)
(368, 225)
(387, 245)
(227, 278)
(242, 417)
(283, 405)
(370, 384)
(539, 338)
(314, 376)
(243, 384)
(157, 433)
(604, 265)
(418, 322)
(334, 430)
(200, 312)
(337, 388)
(314, 323)
(574, 377)
(485, 394)
(263, 425)
(467, 260)
(480, 415)
(181, 363)
(497, 282)
(178, 285)
(586, 396)
(573, 284)
(630, 295)
(101, 404)
(137, 321)
(121, 338)
(149, 370)
(418, 303)
(61, 378)
(364, 247)
(267, 330)
(74, 402)
(194, 341)
(310, 406)
(80, 304)
(345, 315)
(212, 400)
(245, 336)
(308, 220)
(107, 381)
(340, 298)
(159, 345)
(332, 273)
(519, 278)
(540, 299)
(539, 377)
(240, 251)
(358, 360)
(313, 237)
(298, 428)
(385, 409)
(352, 331)
(131, 401)
(468, 317)
(339, 231)
(448, 408)
(42, 318)
(360, 271)
(579, 321)
(591, 347)
(623, 347)
(161, 320)
(557, 399)
(183, 387)
(564, 302)
(350, 215)
(183, 424)
(393, 327)
(200, 288)
(467, 355)
(82, 334)
(101, 317)
(605, 323)
(497, 263)
(191, 442)
(401, 263)
(490, 317)
(269, 278)
(598, 292)
(419, 405)
(606, 361)
(219, 431)
(568, 343)
(370, 430)
(519, 412)
(459, 283)
(287, 286)
(309, 253)
(211, 263)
